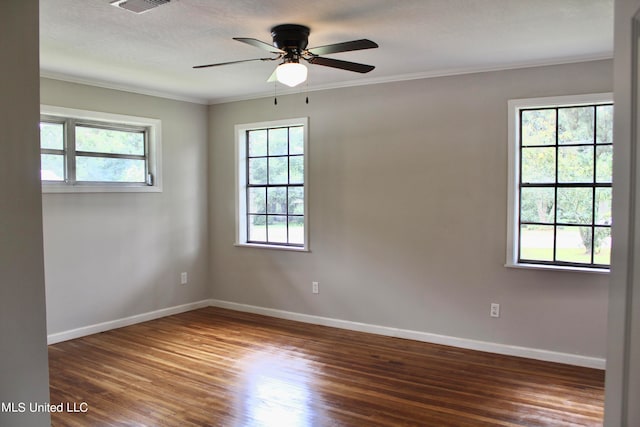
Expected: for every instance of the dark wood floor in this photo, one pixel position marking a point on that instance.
(215, 367)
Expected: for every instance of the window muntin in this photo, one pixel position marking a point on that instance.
(92, 151)
(272, 184)
(562, 209)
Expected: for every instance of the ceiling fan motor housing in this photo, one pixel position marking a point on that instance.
(291, 38)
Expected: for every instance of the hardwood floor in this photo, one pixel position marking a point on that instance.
(216, 367)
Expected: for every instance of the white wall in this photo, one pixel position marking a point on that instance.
(408, 187)
(623, 355)
(113, 255)
(23, 352)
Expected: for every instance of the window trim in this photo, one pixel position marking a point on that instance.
(153, 148)
(513, 130)
(240, 170)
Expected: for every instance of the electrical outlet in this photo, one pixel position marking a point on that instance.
(495, 310)
(184, 278)
(315, 287)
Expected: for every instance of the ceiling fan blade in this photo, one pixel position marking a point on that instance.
(235, 62)
(273, 77)
(343, 47)
(259, 44)
(343, 65)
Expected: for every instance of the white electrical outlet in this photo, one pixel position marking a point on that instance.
(495, 310)
(315, 288)
(184, 278)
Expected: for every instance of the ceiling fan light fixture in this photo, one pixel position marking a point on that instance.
(291, 73)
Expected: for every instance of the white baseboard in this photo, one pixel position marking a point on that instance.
(509, 350)
(126, 321)
(504, 349)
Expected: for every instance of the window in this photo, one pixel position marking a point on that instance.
(271, 184)
(560, 188)
(92, 151)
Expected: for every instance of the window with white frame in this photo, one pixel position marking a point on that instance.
(271, 193)
(560, 167)
(92, 151)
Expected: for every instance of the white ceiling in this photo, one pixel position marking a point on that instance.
(91, 41)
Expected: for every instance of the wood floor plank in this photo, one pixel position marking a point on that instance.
(217, 367)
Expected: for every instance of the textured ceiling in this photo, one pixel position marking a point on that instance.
(91, 41)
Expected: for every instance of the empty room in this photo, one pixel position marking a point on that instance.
(270, 213)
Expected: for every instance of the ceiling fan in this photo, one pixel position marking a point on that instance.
(290, 45)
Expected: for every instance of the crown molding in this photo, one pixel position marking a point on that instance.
(316, 88)
(120, 86)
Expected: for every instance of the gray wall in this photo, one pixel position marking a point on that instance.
(113, 255)
(623, 355)
(408, 202)
(23, 352)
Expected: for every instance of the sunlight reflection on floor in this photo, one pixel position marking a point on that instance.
(276, 390)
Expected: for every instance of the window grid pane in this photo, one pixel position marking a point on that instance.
(106, 169)
(52, 167)
(52, 136)
(565, 186)
(109, 141)
(275, 186)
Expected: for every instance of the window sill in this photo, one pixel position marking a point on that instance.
(557, 268)
(50, 187)
(277, 247)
